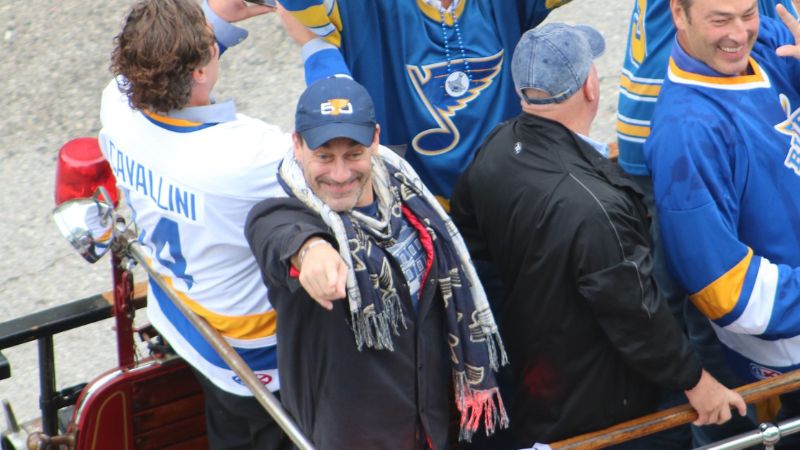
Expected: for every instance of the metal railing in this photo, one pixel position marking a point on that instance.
(683, 414)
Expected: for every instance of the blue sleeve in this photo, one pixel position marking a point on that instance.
(767, 7)
(226, 34)
(533, 12)
(322, 60)
(697, 194)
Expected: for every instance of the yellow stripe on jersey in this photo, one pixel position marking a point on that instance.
(315, 16)
(633, 130)
(252, 326)
(553, 4)
(435, 14)
(649, 90)
(171, 121)
(720, 297)
(756, 77)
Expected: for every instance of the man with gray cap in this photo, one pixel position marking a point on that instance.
(415, 338)
(589, 340)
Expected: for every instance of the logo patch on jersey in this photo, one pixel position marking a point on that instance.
(336, 106)
(429, 82)
(265, 378)
(518, 148)
(791, 128)
(762, 372)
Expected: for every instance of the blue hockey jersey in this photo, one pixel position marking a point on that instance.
(725, 158)
(650, 38)
(397, 50)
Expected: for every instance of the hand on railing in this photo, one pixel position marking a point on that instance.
(713, 401)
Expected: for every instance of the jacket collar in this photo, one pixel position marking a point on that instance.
(574, 153)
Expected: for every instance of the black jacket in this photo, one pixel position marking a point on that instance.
(589, 340)
(342, 398)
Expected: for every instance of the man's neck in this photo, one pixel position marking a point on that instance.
(575, 121)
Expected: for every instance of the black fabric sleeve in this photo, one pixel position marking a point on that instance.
(276, 228)
(464, 216)
(611, 256)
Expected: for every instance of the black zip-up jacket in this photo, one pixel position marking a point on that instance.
(342, 398)
(588, 338)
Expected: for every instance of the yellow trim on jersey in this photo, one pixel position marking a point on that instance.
(336, 18)
(313, 17)
(444, 202)
(316, 16)
(756, 77)
(252, 326)
(633, 130)
(650, 90)
(638, 33)
(720, 297)
(436, 15)
(171, 121)
(553, 4)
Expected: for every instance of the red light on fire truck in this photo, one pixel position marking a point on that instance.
(81, 169)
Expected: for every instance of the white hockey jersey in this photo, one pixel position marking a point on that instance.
(190, 179)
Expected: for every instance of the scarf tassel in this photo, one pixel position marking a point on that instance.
(375, 330)
(474, 405)
(494, 345)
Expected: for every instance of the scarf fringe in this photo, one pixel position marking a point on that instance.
(475, 405)
(497, 352)
(375, 330)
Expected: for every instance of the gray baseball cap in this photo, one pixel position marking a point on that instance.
(555, 58)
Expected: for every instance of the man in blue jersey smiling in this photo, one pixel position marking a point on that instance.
(724, 156)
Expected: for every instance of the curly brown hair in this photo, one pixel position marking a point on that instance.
(160, 45)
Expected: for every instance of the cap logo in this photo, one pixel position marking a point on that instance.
(336, 106)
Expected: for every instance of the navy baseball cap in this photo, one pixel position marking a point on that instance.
(555, 58)
(333, 108)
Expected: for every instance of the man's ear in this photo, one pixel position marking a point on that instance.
(680, 16)
(298, 146)
(199, 75)
(591, 87)
(376, 139)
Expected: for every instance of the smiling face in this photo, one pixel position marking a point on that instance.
(720, 33)
(339, 172)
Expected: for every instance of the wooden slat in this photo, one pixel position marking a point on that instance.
(170, 412)
(171, 434)
(164, 389)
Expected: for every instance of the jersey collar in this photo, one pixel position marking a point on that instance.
(194, 118)
(685, 69)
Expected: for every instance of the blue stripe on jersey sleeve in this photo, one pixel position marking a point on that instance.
(299, 5)
(263, 358)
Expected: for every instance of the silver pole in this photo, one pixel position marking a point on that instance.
(768, 434)
(229, 355)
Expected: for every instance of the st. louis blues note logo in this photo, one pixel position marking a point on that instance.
(791, 127)
(429, 82)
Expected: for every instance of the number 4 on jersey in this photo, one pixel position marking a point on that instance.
(166, 234)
